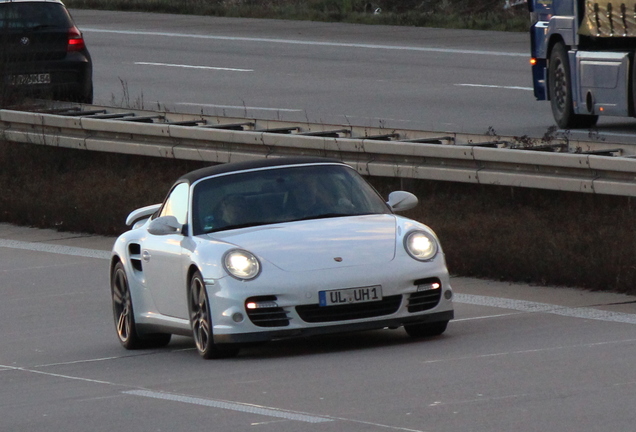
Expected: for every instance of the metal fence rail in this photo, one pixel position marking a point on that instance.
(548, 163)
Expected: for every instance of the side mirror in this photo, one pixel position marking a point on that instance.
(165, 225)
(402, 201)
(142, 213)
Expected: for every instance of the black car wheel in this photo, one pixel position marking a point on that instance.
(201, 322)
(560, 89)
(125, 318)
(426, 329)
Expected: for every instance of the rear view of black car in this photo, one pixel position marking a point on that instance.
(42, 53)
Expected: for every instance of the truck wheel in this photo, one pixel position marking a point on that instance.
(560, 89)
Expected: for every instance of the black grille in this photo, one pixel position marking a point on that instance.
(315, 313)
(267, 316)
(425, 300)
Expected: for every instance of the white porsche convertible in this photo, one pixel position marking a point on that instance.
(276, 248)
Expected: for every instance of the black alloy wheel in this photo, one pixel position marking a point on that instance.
(201, 322)
(125, 318)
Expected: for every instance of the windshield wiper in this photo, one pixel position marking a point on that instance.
(324, 216)
(231, 227)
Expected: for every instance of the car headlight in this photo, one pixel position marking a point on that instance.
(241, 264)
(420, 245)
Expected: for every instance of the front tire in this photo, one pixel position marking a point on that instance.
(201, 322)
(424, 330)
(124, 315)
(560, 88)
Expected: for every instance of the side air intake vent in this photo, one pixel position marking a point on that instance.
(134, 252)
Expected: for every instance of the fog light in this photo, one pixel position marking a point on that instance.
(448, 294)
(237, 317)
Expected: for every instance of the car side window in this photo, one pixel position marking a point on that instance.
(177, 203)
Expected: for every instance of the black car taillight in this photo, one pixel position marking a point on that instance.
(75, 40)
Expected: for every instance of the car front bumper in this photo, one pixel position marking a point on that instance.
(291, 307)
(270, 335)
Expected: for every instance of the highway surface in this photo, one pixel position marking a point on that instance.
(517, 358)
(394, 77)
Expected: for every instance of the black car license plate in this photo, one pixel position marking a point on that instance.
(30, 79)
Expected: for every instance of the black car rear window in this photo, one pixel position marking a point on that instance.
(33, 16)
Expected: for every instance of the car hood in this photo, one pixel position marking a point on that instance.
(321, 243)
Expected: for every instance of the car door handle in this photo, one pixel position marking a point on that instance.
(145, 255)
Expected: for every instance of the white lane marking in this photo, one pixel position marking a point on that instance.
(310, 43)
(496, 86)
(56, 375)
(28, 269)
(233, 406)
(486, 316)
(193, 67)
(56, 249)
(242, 107)
(256, 409)
(89, 360)
(532, 351)
(379, 425)
(528, 306)
(266, 422)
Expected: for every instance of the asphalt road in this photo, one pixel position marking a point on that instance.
(516, 358)
(394, 77)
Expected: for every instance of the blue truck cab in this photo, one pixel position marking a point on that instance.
(582, 55)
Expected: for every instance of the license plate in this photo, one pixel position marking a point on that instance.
(30, 79)
(350, 295)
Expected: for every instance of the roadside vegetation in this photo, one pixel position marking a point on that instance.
(495, 232)
(464, 14)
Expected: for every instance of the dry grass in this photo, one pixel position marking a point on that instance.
(504, 233)
(78, 190)
(468, 14)
(535, 236)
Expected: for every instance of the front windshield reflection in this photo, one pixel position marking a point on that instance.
(281, 195)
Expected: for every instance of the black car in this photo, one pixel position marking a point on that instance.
(42, 52)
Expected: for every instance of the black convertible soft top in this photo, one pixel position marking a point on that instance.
(193, 176)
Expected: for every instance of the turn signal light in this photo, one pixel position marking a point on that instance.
(261, 305)
(533, 61)
(429, 286)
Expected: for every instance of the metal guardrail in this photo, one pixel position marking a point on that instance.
(552, 162)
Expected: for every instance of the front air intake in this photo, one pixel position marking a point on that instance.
(427, 296)
(263, 311)
(316, 313)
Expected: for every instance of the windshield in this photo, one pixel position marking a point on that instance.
(281, 195)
